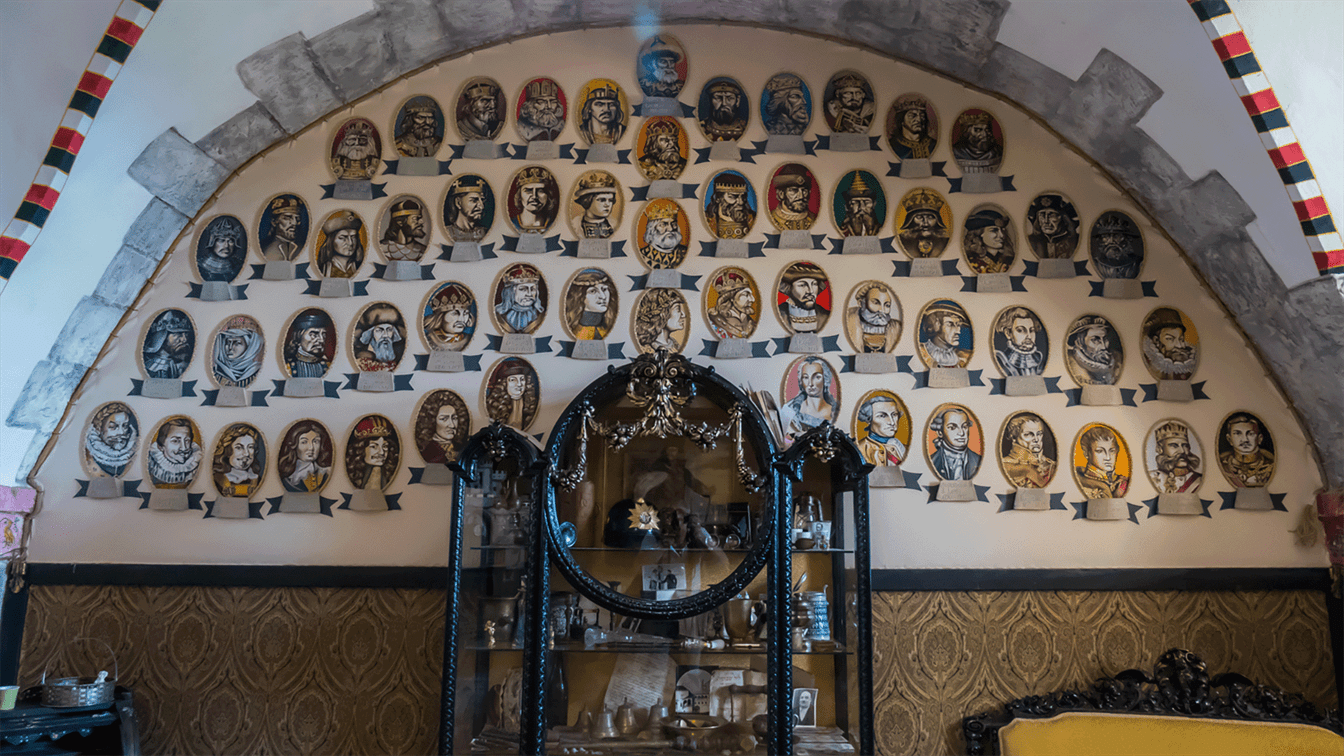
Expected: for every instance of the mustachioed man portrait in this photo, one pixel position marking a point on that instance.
(661, 154)
(862, 204)
(419, 127)
(911, 132)
(976, 144)
(480, 110)
(309, 345)
(239, 461)
(849, 105)
(952, 431)
(450, 317)
(221, 249)
(520, 299)
(804, 297)
(662, 66)
(372, 453)
(791, 207)
(1170, 345)
(283, 229)
(404, 236)
(355, 152)
(1027, 451)
(1174, 457)
(111, 440)
(469, 208)
(512, 393)
(1095, 356)
(661, 321)
(922, 226)
(1245, 451)
(873, 318)
(1116, 246)
(340, 252)
(379, 338)
(306, 456)
(786, 105)
(238, 351)
(602, 114)
(723, 112)
(736, 309)
(1052, 225)
(173, 457)
(730, 207)
(534, 200)
(442, 425)
(877, 426)
(1104, 472)
(1021, 346)
(596, 209)
(541, 110)
(591, 305)
(169, 345)
(663, 243)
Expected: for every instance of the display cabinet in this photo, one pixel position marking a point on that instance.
(666, 579)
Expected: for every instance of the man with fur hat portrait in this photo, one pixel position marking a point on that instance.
(169, 345)
(341, 252)
(1165, 347)
(658, 76)
(406, 236)
(380, 338)
(792, 188)
(805, 297)
(420, 129)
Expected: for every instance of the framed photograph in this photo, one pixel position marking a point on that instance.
(804, 708)
(662, 581)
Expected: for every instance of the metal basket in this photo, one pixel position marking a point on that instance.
(66, 692)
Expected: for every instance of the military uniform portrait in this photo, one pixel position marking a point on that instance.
(662, 234)
(859, 205)
(221, 249)
(882, 428)
(448, 317)
(662, 320)
(977, 142)
(468, 208)
(912, 127)
(803, 298)
(305, 457)
(168, 345)
(730, 205)
(372, 453)
(810, 396)
(1174, 457)
(848, 103)
(1052, 227)
(946, 338)
(732, 303)
(954, 442)
(596, 206)
(987, 240)
(520, 297)
(403, 229)
(1169, 345)
(378, 338)
(542, 111)
(512, 393)
(591, 305)
(1020, 342)
(309, 344)
(794, 199)
(534, 200)
(1101, 462)
(1093, 354)
(661, 66)
(923, 224)
(110, 439)
(356, 150)
(662, 149)
(173, 455)
(282, 228)
(1028, 452)
(418, 129)
(341, 245)
(1245, 450)
(480, 111)
(724, 110)
(442, 425)
(873, 318)
(237, 351)
(238, 461)
(1116, 246)
(786, 105)
(603, 114)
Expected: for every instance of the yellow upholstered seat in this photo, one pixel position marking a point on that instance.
(1087, 734)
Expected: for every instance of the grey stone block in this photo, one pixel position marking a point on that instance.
(177, 172)
(1023, 79)
(478, 22)
(881, 14)
(1320, 302)
(238, 139)
(816, 16)
(1208, 207)
(43, 398)
(948, 53)
(1109, 96)
(285, 76)
(1143, 166)
(357, 55)
(155, 229)
(547, 14)
(85, 332)
(125, 277)
(759, 11)
(973, 23)
(35, 448)
(416, 31)
(606, 12)
(1238, 273)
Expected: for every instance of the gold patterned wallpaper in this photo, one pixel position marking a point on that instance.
(356, 671)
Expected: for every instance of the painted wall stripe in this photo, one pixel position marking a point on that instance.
(1276, 134)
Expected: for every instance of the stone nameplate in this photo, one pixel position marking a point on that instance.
(231, 508)
(1024, 385)
(380, 381)
(216, 291)
(886, 476)
(926, 267)
(531, 244)
(860, 245)
(603, 153)
(594, 249)
(589, 349)
(787, 144)
(402, 270)
(368, 500)
(734, 248)
(849, 142)
(977, 183)
(543, 150)
(1175, 391)
(231, 396)
(465, 251)
(1053, 268)
(949, 378)
(993, 283)
(336, 287)
(660, 106)
(304, 387)
(728, 151)
(795, 239)
(301, 502)
(1031, 499)
(1107, 509)
(444, 361)
(480, 149)
(517, 343)
(1101, 396)
(1253, 499)
(956, 490)
(1122, 288)
(162, 388)
(733, 349)
(663, 278)
(418, 166)
(805, 343)
(916, 168)
(664, 189)
(168, 499)
(874, 363)
(437, 475)
(1179, 504)
(104, 488)
(278, 270)
(360, 191)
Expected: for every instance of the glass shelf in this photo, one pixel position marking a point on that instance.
(569, 648)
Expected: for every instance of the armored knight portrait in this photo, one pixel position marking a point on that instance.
(730, 207)
(308, 347)
(1116, 246)
(922, 229)
(1027, 451)
(221, 249)
(169, 345)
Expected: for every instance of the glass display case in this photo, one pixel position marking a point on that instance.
(665, 579)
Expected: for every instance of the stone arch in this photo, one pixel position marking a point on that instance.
(299, 82)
